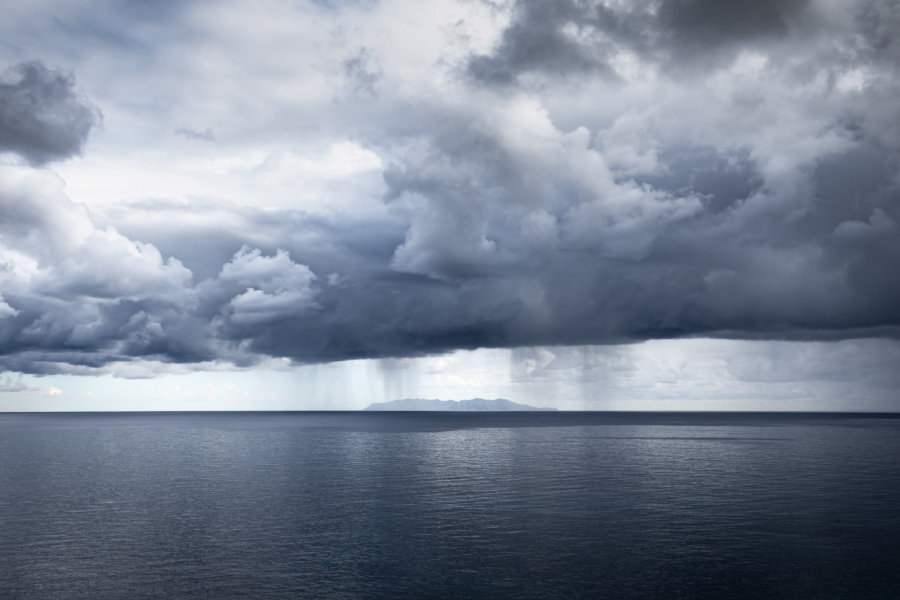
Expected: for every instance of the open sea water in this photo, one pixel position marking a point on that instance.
(449, 505)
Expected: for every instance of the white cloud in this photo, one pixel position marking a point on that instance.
(6, 310)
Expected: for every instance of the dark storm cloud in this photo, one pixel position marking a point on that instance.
(531, 269)
(41, 116)
(878, 21)
(696, 26)
(569, 37)
(536, 41)
(756, 201)
(696, 275)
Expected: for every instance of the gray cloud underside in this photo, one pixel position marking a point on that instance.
(694, 220)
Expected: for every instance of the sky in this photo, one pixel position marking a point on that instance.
(585, 204)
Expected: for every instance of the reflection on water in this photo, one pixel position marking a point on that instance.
(518, 506)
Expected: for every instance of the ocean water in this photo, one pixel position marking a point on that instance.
(462, 505)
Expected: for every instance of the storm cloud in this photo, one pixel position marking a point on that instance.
(572, 38)
(594, 173)
(41, 116)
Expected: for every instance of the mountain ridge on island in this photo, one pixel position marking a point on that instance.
(474, 404)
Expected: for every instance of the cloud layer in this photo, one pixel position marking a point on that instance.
(536, 173)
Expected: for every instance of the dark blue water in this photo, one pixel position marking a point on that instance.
(386, 505)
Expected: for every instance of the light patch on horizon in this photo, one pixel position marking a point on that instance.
(700, 374)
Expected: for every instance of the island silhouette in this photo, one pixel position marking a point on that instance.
(473, 404)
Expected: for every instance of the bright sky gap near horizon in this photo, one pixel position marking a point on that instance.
(665, 205)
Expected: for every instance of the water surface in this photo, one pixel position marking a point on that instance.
(388, 505)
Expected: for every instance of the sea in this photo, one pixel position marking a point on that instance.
(449, 505)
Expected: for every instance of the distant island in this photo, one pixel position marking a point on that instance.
(475, 404)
